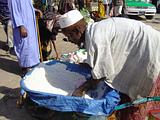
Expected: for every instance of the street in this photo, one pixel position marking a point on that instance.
(10, 79)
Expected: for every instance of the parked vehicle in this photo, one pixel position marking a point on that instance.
(139, 7)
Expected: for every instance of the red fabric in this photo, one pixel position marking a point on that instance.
(140, 112)
(154, 114)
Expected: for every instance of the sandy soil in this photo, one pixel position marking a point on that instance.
(9, 79)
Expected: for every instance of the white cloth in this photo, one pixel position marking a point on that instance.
(53, 79)
(126, 52)
(26, 49)
(70, 18)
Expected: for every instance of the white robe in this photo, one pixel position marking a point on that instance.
(27, 49)
(126, 52)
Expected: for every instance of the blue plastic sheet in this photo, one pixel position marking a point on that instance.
(103, 106)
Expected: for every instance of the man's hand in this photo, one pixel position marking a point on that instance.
(23, 31)
(89, 84)
(78, 92)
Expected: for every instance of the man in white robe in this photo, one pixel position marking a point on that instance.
(24, 33)
(126, 52)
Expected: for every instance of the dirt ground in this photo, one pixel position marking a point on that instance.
(9, 79)
(9, 76)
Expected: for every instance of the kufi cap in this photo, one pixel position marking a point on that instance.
(70, 18)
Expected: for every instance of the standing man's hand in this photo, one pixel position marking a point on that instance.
(23, 31)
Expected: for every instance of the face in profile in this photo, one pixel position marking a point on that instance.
(74, 36)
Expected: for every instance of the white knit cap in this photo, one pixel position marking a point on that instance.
(70, 18)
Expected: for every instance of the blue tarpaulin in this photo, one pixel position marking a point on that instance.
(66, 103)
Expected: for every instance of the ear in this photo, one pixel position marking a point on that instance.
(81, 27)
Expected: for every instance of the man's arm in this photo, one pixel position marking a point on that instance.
(16, 12)
(88, 85)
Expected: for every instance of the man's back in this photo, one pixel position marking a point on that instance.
(126, 52)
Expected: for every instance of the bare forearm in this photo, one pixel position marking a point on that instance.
(86, 86)
(89, 84)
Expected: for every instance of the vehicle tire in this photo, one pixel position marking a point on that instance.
(133, 16)
(123, 15)
(149, 17)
